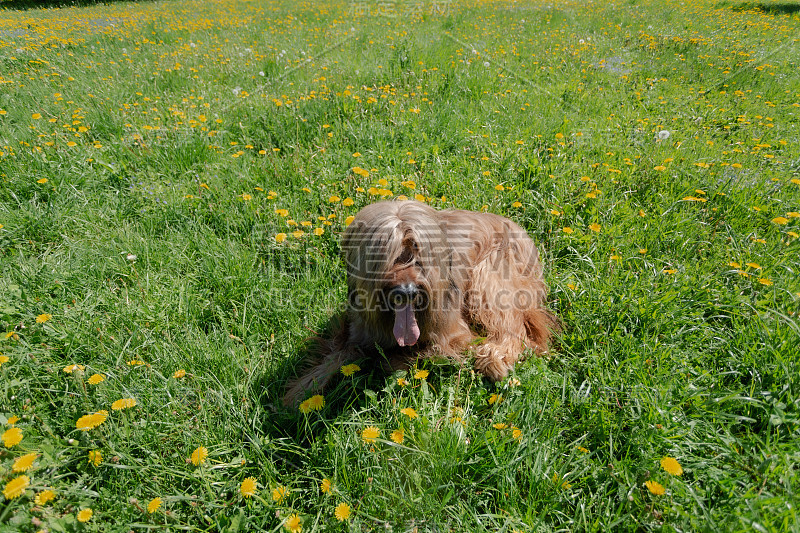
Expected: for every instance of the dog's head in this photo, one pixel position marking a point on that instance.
(396, 268)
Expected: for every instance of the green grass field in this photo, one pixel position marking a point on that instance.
(174, 177)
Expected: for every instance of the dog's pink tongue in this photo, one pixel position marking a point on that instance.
(406, 330)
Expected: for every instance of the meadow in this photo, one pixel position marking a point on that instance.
(174, 177)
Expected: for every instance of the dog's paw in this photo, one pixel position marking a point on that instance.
(490, 361)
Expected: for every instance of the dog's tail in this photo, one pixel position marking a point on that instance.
(540, 326)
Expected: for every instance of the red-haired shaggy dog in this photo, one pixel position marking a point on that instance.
(423, 282)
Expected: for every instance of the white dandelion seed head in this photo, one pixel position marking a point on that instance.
(131, 257)
(662, 135)
(486, 64)
(261, 73)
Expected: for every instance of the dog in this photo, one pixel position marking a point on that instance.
(423, 283)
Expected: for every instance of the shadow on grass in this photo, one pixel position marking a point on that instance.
(344, 394)
(782, 8)
(50, 4)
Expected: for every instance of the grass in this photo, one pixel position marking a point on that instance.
(175, 176)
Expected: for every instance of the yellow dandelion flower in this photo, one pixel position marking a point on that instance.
(654, 487)
(356, 154)
(495, 398)
(282, 212)
(672, 466)
(44, 317)
(280, 237)
(500, 425)
(123, 403)
(248, 487)
(347, 202)
(95, 379)
(595, 227)
(516, 433)
(409, 412)
(24, 462)
(199, 455)
(370, 434)
(305, 407)
(499, 187)
(4, 359)
(84, 515)
(154, 505)
(36, 116)
(69, 369)
(660, 168)
(16, 487)
(349, 370)
(293, 523)
(318, 231)
(349, 220)
(361, 172)
(325, 486)
(582, 449)
(11, 437)
(669, 271)
(179, 373)
(13, 420)
(568, 230)
(316, 402)
(91, 421)
(43, 497)
(781, 221)
(765, 281)
(95, 457)
(402, 382)
(333, 199)
(397, 436)
(279, 494)
(421, 374)
(516, 204)
(342, 512)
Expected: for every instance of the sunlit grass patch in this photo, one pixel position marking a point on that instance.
(174, 179)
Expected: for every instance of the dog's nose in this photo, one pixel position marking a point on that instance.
(403, 294)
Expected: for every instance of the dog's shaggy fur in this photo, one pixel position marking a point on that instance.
(423, 282)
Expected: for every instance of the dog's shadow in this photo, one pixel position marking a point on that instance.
(377, 374)
(343, 393)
